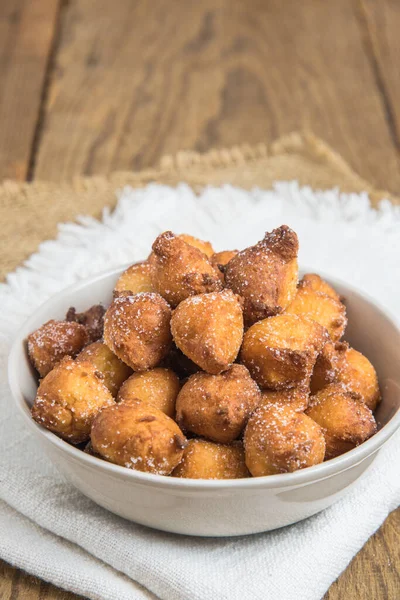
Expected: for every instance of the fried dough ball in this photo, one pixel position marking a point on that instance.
(345, 420)
(217, 407)
(158, 387)
(322, 308)
(180, 270)
(327, 365)
(209, 329)
(316, 283)
(136, 279)
(69, 398)
(207, 460)
(138, 436)
(92, 319)
(221, 259)
(201, 245)
(280, 352)
(265, 275)
(137, 329)
(296, 398)
(113, 370)
(278, 439)
(359, 377)
(54, 340)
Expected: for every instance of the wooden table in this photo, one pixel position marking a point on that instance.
(91, 86)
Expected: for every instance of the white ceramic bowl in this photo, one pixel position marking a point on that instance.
(204, 507)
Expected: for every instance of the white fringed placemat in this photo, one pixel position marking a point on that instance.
(106, 557)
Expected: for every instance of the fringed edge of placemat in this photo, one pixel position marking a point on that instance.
(30, 212)
(189, 163)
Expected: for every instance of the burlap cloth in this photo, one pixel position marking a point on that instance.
(29, 212)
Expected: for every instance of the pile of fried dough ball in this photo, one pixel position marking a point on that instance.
(208, 365)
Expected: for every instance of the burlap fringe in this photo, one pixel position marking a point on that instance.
(29, 212)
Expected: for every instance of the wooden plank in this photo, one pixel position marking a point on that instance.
(132, 85)
(26, 34)
(17, 585)
(382, 21)
(374, 573)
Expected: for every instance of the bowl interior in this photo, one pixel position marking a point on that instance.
(370, 330)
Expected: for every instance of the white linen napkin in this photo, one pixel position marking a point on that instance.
(51, 530)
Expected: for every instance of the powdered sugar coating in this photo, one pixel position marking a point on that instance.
(280, 352)
(181, 270)
(285, 354)
(206, 460)
(217, 407)
(320, 307)
(327, 365)
(208, 328)
(359, 376)
(137, 329)
(136, 279)
(69, 398)
(112, 369)
(297, 398)
(138, 436)
(266, 274)
(280, 440)
(158, 387)
(316, 283)
(221, 259)
(345, 420)
(54, 340)
(201, 245)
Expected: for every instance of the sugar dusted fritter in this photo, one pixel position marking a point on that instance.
(316, 283)
(221, 259)
(266, 274)
(113, 370)
(217, 407)
(278, 439)
(138, 436)
(208, 328)
(92, 319)
(345, 420)
(135, 279)
(201, 245)
(181, 270)
(317, 394)
(359, 376)
(280, 352)
(338, 363)
(158, 387)
(54, 340)
(69, 398)
(327, 365)
(206, 460)
(296, 398)
(322, 308)
(137, 329)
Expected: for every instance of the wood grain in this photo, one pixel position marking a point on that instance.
(374, 573)
(382, 22)
(129, 87)
(26, 34)
(130, 83)
(17, 585)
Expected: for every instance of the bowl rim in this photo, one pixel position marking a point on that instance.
(282, 480)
